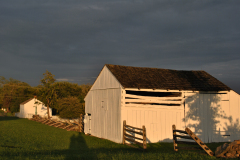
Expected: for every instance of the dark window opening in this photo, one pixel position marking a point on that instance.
(54, 112)
(161, 104)
(151, 98)
(154, 94)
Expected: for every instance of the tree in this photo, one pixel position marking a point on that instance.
(67, 89)
(85, 89)
(14, 92)
(47, 91)
(70, 107)
(51, 94)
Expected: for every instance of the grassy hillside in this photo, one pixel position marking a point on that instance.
(25, 139)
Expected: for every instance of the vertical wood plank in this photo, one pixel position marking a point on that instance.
(80, 123)
(174, 138)
(144, 138)
(124, 131)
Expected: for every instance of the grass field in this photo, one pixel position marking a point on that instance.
(25, 139)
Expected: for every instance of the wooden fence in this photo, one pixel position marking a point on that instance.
(130, 131)
(67, 125)
(196, 144)
(81, 123)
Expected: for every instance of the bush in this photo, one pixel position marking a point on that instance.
(70, 107)
(10, 114)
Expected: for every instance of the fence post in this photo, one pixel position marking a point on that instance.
(174, 138)
(144, 138)
(124, 131)
(80, 123)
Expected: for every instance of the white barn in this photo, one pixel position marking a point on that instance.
(30, 108)
(159, 98)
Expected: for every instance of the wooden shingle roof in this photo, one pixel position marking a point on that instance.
(155, 78)
(26, 101)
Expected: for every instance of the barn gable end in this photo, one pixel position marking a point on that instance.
(103, 107)
(105, 80)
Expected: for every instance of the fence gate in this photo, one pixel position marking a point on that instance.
(196, 144)
(130, 131)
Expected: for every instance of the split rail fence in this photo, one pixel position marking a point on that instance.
(196, 144)
(67, 125)
(128, 135)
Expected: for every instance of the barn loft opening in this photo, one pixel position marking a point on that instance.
(153, 98)
(154, 94)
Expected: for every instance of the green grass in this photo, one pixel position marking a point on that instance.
(25, 139)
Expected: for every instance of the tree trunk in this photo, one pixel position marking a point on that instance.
(48, 109)
(8, 110)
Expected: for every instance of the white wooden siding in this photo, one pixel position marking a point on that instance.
(158, 119)
(88, 102)
(105, 80)
(103, 102)
(213, 116)
(104, 108)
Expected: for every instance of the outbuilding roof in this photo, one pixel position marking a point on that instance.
(156, 78)
(26, 101)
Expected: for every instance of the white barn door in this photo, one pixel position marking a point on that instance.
(87, 123)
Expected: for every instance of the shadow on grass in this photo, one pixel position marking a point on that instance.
(79, 149)
(82, 146)
(8, 118)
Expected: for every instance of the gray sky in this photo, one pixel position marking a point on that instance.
(73, 39)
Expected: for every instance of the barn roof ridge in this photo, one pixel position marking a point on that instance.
(157, 78)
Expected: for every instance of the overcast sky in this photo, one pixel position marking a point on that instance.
(73, 39)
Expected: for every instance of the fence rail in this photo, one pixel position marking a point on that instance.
(130, 131)
(196, 144)
(67, 125)
(81, 123)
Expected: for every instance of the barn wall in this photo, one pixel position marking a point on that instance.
(214, 117)
(102, 108)
(103, 119)
(151, 112)
(234, 115)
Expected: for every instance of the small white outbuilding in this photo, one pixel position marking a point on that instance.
(159, 98)
(32, 107)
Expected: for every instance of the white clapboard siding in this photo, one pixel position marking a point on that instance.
(152, 106)
(105, 80)
(103, 102)
(148, 99)
(105, 115)
(213, 117)
(158, 121)
(151, 98)
(152, 90)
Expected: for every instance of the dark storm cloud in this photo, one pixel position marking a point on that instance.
(74, 39)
